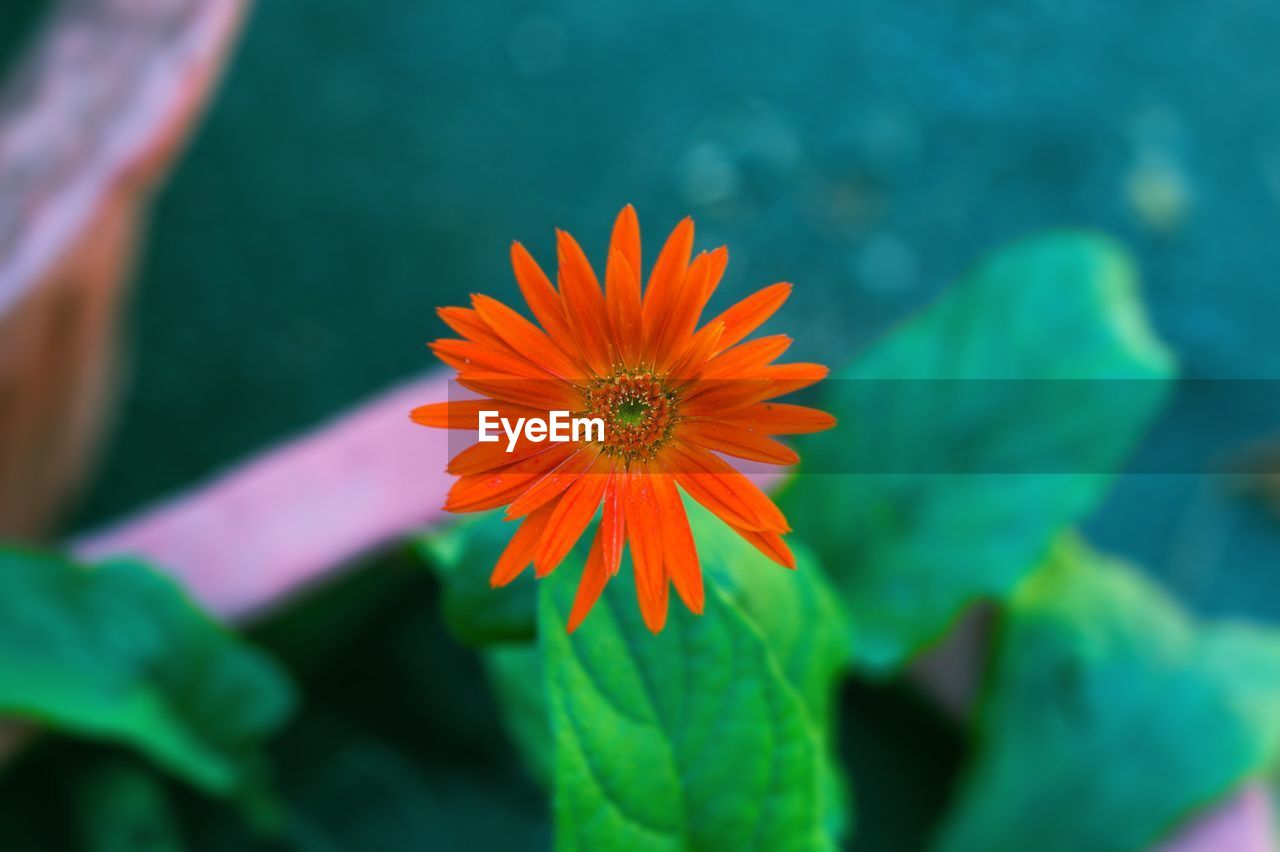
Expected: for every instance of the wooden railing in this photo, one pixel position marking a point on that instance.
(90, 122)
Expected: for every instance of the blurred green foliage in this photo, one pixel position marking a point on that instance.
(117, 653)
(442, 713)
(1110, 714)
(397, 739)
(476, 612)
(1038, 364)
(122, 807)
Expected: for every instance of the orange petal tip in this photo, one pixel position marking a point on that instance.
(430, 415)
(655, 627)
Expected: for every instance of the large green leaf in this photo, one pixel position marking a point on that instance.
(797, 612)
(517, 677)
(1110, 716)
(802, 623)
(691, 739)
(118, 653)
(975, 433)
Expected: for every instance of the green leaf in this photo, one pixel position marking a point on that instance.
(690, 739)
(802, 623)
(797, 612)
(500, 623)
(476, 613)
(519, 683)
(974, 434)
(1110, 716)
(118, 653)
(798, 615)
(121, 807)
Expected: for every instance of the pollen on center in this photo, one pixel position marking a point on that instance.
(638, 410)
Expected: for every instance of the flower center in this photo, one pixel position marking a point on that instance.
(638, 411)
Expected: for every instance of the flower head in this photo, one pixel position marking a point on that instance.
(673, 396)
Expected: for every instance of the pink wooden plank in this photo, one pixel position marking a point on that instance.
(292, 515)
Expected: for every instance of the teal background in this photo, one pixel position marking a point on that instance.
(360, 168)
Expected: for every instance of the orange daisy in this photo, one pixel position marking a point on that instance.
(673, 397)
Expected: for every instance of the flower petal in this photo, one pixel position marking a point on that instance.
(464, 355)
(542, 394)
(717, 396)
(715, 484)
(644, 531)
(749, 314)
(584, 303)
(679, 326)
(541, 297)
(595, 574)
(680, 554)
(468, 323)
(696, 355)
(463, 414)
(494, 488)
(718, 261)
(771, 545)
(526, 338)
(664, 283)
(747, 359)
(572, 514)
(622, 297)
(613, 522)
(789, 378)
(554, 481)
(708, 397)
(737, 441)
(625, 239)
(486, 490)
(519, 551)
(491, 455)
(780, 418)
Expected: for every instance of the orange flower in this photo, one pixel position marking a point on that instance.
(673, 398)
